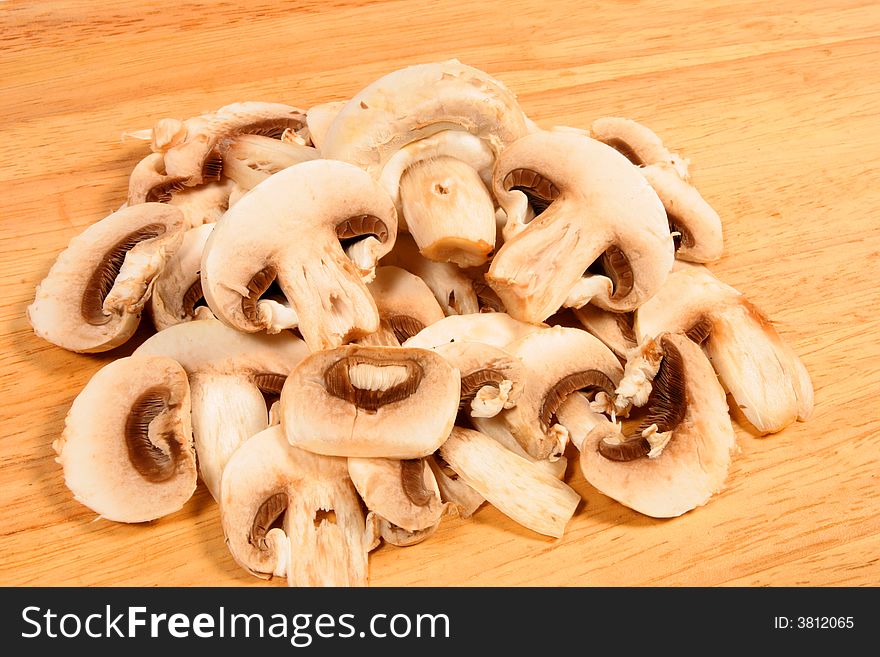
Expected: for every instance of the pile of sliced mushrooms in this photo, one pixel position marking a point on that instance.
(376, 313)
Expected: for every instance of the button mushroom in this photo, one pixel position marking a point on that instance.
(388, 402)
(320, 204)
(615, 330)
(177, 293)
(679, 455)
(638, 143)
(494, 329)
(285, 511)
(229, 372)
(126, 448)
(600, 235)
(94, 294)
(766, 378)
(516, 487)
(319, 118)
(405, 304)
(250, 159)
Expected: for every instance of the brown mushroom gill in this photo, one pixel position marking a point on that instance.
(270, 384)
(588, 380)
(257, 286)
(153, 462)
(162, 192)
(684, 238)
(614, 265)
(268, 516)
(473, 382)
(337, 381)
(412, 480)
(101, 281)
(357, 228)
(626, 326)
(666, 407)
(624, 149)
(487, 298)
(540, 191)
(273, 128)
(193, 298)
(699, 332)
(445, 468)
(403, 326)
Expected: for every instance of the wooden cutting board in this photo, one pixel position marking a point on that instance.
(776, 105)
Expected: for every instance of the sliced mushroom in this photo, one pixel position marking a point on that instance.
(494, 329)
(319, 118)
(229, 373)
(177, 293)
(614, 329)
(379, 529)
(285, 511)
(495, 428)
(679, 455)
(601, 234)
(453, 489)
(403, 493)
(189, 146)
(406, 306)
(515, 486)
(558, 361)
(766, 378)
(639, 144)
(126, 448)
(94, 294)
(250, 159)
(387, 402)
(204, 204)
(452, 288)
(317, 204)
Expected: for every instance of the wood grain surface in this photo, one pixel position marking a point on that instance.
(776, 105)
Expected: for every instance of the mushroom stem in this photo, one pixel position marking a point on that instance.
(495, 429)
(453, 489)
(448, 211)
(226, 411)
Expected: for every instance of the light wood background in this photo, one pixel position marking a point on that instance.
(777, 106)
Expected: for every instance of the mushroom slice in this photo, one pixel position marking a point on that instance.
(380, 529)
(148, 182)
(453, 489)
(603, 237)
(679, 455)
(558, 361)
(388, 402)
(93, 296)
(127, 448)
(177, 293)
(406, 306)
(516, 487)
(403, 493)
(189, 146)
(326, 206)
(452, 288)
(614, 329)
(229, 373)
(319, 118)
(287, 511)
(250, 159)
(496, 429)
(766, 378)
(695, 226)
(493, 329)
(204, 204)
(639, 144)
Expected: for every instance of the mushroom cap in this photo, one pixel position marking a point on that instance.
(268, 481)
(127, 448)
(558, 361)
(92, 298)
(437, 96)
(694, 463)
(405, 493)
(389, 402)
(319, 118)
(762, 372)
(599, 207)
(638, 143)
(178, 288)
(494, 329)
(288, 228)
(405, 304)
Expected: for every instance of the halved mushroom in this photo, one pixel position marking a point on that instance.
(338, 223)
(229, 374)
(679, 455)
(494, 329)
(177, 293)
(453, 489)
(558, 361)
(515, 486)
(639, 144)
(406, 306)
(189, 146)
(452, 288)
(614, 329)
(250, 159)
(389, 402)
(447, 207)
(601, 234)
(319, 118)
(766, 378)
(92, 298)
(402, 495)
(126, 448)
(285, 511)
